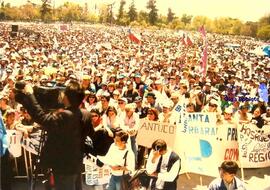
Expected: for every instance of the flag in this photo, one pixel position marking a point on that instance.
(202, 31)
(3, 137)
(133, 38)
(183, 41)
(189, 42)
(204, 60)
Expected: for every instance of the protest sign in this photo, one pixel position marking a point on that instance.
(95, 175)
(196, 137)
(150, 131)
(14, 142)
(227, 141)
(32, 142)
(254, 146)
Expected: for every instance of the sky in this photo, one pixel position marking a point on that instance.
(245, 10)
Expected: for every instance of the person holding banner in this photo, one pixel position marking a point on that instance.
(120, 158)
(227, 179)
(163, 166)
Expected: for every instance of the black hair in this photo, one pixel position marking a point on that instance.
(95, 110)
(74, 93)
(111, 108)
(230, 167)
(159, 145)
(123, 135)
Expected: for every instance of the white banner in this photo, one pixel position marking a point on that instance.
(150, 131)
(14, 142)
(32, 142)
(227, 142)
(254, 146)
(95, 175)
(196, 140)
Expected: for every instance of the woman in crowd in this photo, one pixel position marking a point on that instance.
(120, 159)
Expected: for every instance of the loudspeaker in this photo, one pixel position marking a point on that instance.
(14, 28)
(13, 34)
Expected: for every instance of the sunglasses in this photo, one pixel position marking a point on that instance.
(212, 105)
(120, 102)
(95, 115)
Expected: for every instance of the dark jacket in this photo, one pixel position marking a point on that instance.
(172, 185)
(66, 132)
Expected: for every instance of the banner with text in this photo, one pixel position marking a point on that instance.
(227, 141)
(196, 137)
(95, 175)
(150, 131)
(254, 146)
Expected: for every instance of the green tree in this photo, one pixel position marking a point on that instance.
(170, 15)
(132, 13)
(46, 10)
(121, 11)
(186, 19)
(264, 20)
(70, 11)
(264, 32)
(153, 13)
(103, 13)
(29, 12)
(249, 29)
(199, 21)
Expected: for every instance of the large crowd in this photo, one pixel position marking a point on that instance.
(126, 81)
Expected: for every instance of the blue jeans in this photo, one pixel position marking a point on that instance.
(134, 147)
(114, 183)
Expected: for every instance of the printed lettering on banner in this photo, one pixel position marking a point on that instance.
(254, 146)
(14, 142)
(227, 141)
(150, 131)
(95, 175)
(32, 142)
(198, 131)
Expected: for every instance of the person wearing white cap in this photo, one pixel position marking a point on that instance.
(228, 116)
(166, 114)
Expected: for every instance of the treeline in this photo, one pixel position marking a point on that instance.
(132, 17)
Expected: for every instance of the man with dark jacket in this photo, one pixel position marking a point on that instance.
(66, 131)
(163, 166)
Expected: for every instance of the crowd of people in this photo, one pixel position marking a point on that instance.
(124, 81)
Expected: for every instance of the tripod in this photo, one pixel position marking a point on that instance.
(36, 164)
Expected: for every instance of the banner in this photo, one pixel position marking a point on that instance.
(227, 142)
(14, 142)
(150, 131)
(196, 142)
(95, 175)
(254, 146)
(32, 142)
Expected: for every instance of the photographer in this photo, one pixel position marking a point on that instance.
(66, 129)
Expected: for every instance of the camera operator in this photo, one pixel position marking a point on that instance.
(66, 129)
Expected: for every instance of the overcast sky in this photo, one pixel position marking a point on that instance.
(246, 10)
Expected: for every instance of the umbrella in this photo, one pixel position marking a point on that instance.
(266, 50)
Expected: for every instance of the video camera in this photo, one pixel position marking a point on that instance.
(47, 96)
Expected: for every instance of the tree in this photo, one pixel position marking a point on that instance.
(29, 11)
(186, 19)
(264, 32)
(121, 11)
(153, 14)
(70, 11)
(46, 10)
(170, 15)
(249, 29)
(132, 13)
(265, 20)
